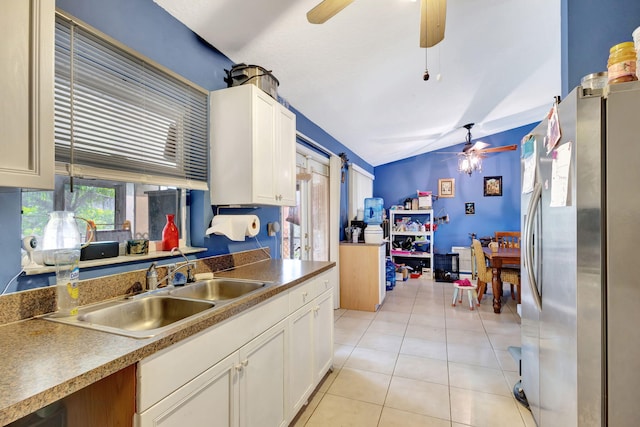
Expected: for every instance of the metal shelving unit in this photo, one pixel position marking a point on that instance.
(397, 231)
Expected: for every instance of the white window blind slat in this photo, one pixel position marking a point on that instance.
(119, 115)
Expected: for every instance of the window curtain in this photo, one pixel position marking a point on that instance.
(360, 187)
(119, 116)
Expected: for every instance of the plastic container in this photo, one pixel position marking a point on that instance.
(422, 246)
(621, 66)
(595, 80)
(373, 209)
(61, 232)
(67, 275)
(390, 274)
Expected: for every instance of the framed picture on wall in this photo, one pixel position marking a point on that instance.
(446, 187)
(469, 208)
(492, 186)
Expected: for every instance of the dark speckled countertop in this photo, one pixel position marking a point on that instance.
(44, 361)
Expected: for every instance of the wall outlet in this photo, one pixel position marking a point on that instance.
(273, 228)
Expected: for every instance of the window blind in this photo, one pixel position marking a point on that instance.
(119, 115)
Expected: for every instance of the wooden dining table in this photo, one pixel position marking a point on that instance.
(503, 257)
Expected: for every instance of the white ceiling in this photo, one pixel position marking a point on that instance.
(359, 75)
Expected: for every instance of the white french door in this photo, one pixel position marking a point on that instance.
(305, 230)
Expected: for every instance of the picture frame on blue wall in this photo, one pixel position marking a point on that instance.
(492, 186)
(446, 187)
(469, 208)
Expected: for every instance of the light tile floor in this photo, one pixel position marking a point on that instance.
(419, 361)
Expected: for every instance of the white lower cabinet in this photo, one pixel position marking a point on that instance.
(301, 356)
(256, 369)
(323, 335)
(209, 399)
(263, 379)
(311, 349)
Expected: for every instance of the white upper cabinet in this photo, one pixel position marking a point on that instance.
(26, 85)
(252, 151)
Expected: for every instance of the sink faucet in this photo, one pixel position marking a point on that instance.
(152, 278)
(189, 264)
(152, 273)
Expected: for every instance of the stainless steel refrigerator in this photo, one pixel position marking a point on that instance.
(581, 262)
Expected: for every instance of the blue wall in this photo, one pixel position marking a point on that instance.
(589, 29)
(398, 180)
(148, 29)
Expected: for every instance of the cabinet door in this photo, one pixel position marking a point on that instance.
(301, 349)
(264, 149)
(285, 172)
(213, 395)
(26, 85)
(264, 379)
(323, 335)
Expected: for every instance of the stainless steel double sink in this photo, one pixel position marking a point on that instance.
(149, 314)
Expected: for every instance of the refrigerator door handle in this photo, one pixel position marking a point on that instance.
(534, 204)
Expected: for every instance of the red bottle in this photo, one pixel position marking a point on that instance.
(170, 235)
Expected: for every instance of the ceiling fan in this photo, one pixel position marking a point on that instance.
(470, 158)
(432, 17)
(480, 148)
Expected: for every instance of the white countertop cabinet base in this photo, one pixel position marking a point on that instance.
(256, 369)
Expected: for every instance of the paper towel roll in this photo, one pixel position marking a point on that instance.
(235, 227)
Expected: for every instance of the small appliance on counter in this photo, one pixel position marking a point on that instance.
(358, 224)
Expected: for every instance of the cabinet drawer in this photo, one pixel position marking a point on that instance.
(323, 283)
(302, 294)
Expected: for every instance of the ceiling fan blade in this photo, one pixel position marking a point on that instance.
(325, 10)
(499, 149)
(479, 145)
(432, 20)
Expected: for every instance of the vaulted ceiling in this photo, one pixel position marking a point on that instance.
(359, 76)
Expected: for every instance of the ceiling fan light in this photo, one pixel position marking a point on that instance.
(469, 163)
(463, 164)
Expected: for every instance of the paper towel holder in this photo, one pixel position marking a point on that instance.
(235, 227)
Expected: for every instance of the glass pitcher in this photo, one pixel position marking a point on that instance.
(61, 232)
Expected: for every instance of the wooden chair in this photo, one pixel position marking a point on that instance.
(484, 273)
(508, 239)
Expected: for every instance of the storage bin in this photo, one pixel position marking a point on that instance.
(446, 267)
(422, 246)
